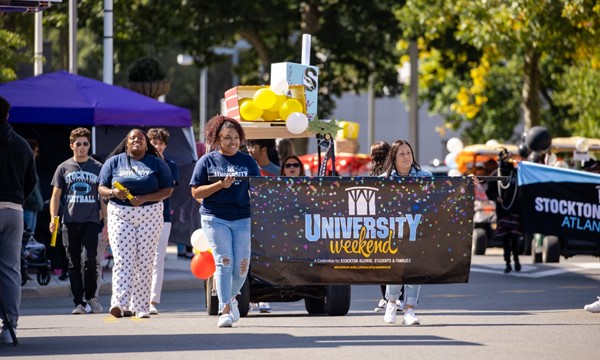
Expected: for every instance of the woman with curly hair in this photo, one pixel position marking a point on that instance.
(225, 209)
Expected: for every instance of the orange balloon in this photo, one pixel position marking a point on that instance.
(203, 265)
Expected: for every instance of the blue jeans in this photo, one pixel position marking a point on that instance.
(11, 238)
(230, 244)
(392, 293)
(30, 218)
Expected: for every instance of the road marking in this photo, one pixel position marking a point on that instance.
(533, 271)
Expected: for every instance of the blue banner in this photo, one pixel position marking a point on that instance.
(560, 202)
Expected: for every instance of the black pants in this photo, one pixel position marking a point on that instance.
(76, 237)
(510, 243)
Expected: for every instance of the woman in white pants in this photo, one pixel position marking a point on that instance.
(136, 180)
(159, 137)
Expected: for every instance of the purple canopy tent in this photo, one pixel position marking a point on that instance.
(47, 107)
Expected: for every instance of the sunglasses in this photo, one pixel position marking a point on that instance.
(85, 143)
(289, 165)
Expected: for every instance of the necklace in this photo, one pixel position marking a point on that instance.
(84, 164)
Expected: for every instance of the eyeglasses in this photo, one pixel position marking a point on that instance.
(289, 165)
(85, 143)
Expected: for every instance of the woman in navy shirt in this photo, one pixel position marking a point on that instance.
(135, 219)
(225, 209)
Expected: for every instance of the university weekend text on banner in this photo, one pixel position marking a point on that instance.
(369, 230)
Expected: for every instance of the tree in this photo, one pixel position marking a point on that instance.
(477, 52)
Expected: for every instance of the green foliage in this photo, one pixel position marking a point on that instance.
(10, 54)
(473, 68)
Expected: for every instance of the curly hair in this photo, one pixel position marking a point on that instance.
(379, 152)
(302, 172)
(390, 161)
(215, 124)
(160, 134)
(80, 132)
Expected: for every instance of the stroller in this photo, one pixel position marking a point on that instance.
(33, 255)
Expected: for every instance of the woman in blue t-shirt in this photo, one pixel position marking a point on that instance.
(225, 209)
(135, 219)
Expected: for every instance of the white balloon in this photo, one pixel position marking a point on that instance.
(454, 145)
(296, 123)
(492, 143)
(281, 87)
(199, 241)
(450, 160)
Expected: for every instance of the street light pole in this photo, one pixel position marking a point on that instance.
(188, 60)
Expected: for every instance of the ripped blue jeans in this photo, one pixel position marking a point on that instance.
(230, 244)
(392, 293)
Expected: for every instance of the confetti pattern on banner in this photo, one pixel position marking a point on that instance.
(332, 230)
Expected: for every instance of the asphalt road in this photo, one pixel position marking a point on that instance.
(536, 314)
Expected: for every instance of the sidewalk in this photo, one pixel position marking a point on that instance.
(177, 277)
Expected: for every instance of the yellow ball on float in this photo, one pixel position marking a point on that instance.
(264, 98)
(270, 115)
(249, 110)
(290, 106)
(279, 100)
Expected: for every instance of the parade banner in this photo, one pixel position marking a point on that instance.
(560, 202)
(361, 230)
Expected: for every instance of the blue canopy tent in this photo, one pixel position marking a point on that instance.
(47, 107)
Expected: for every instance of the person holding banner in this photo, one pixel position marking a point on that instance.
(508, 209)
(401, 162)
(379, 152)
(225, 209)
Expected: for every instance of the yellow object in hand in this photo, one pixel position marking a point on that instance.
(56, 221)
(122, 188)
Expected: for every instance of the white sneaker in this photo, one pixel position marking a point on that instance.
(593, 307)
(381, 305)
(234, 310)
(95, 306)
(142, 315)
(410, 318)
(264, 307)
(253, 306)
(153, 310)
(225, 320)
(390, 312)
(400, 304)
(79, 309)
(5, 337)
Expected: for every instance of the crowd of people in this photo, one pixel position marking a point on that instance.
(125, 200)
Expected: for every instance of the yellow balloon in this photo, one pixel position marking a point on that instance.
(280, 99)
(290, 106)
(249, 111)
(264, 98)
(270, 115)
